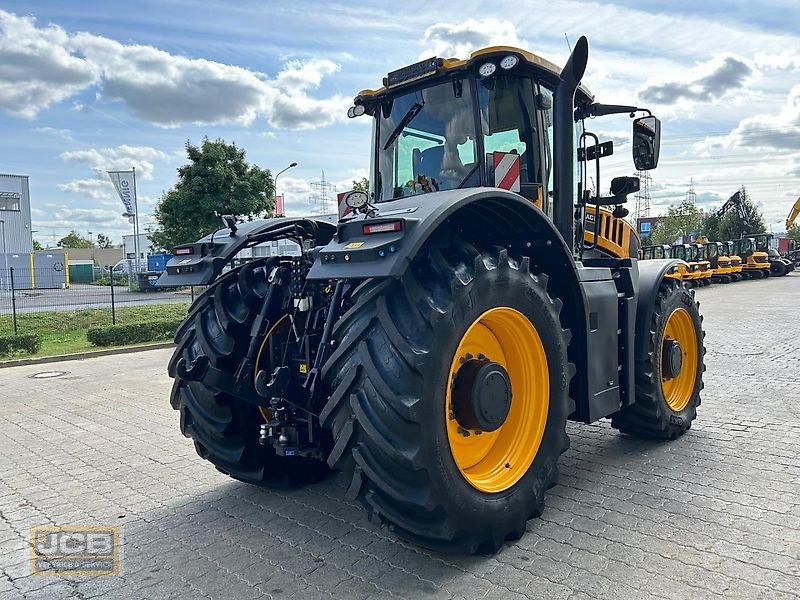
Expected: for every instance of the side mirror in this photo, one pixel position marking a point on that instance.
(646, 142)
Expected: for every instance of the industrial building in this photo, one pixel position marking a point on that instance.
(16, 236)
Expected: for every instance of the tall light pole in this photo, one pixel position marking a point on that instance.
(135, 220)
(5, 255)
(275, 184)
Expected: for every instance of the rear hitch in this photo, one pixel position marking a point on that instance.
(281, 432)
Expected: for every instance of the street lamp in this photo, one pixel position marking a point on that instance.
(275, 184)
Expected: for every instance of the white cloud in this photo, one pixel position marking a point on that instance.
(169, 90)
(43, 65)
(779, 132)
(120, 158)
(90, 188)
(36, 66)
(707, 82)
(457, 40)
(292, 108)
(64, 134)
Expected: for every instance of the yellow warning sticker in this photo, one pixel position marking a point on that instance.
(303, 368)
(353, 245)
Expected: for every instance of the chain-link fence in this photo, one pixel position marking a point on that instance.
(32, 301)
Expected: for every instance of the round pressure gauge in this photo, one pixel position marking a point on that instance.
(356, 199)
(509, 62)
(487, 69)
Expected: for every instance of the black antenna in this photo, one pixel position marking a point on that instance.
(566, 37)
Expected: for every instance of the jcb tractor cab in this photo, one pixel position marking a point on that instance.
(778, 265)
(755, 263)
(714, 253)
(736, 261)
(433, 343)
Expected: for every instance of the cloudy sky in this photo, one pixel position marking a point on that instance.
(85, 88)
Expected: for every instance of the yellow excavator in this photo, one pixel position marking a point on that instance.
(794, 212)
(693, 275)
(755, 263)
(736, 261)
(662, 252)
(703, 266)
(794, 252)
(715, 254)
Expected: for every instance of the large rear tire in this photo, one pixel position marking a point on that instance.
(404, 347)
(670, 377)
(224, 427)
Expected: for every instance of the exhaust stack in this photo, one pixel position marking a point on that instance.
(564, 143)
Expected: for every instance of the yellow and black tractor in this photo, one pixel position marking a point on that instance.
(720, 262)
(736, 261)
(433, 343)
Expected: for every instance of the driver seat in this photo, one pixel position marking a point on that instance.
(427, 162)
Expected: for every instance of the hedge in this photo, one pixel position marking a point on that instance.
(28, 342)
(134, 333)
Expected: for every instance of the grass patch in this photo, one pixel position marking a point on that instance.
(64, 332)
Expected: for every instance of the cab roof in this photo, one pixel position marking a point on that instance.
(433, 67)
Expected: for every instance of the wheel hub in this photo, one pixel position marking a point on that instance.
(671, 359)
(481, 395)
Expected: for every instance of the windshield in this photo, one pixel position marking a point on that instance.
(427, 141)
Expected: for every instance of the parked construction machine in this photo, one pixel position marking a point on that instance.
(777, 265)
(728, 249)
(720, 263)
(696, 271)
(434, 342)
(661, 252)
(755, 263)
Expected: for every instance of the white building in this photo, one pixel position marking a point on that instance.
(15, 213)
(129, 247)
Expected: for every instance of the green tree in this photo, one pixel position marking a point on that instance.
(37, 245)
(719, 228)
(74, 240)
(216, 181)
(362, 185)
(103, 241)
(682, 219)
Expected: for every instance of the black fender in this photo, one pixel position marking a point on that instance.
(651, 274)
(206, 258)
(485, 213)
(480, 215)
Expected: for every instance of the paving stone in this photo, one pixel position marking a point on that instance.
(713, 514)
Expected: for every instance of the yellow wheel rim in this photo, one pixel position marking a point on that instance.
(494, 461)
(678, 390)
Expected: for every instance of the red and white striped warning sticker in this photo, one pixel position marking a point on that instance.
(344, 210)
(506, 170)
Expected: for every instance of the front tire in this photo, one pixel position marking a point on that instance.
(223, 426)
(391, 378)
(667, 385)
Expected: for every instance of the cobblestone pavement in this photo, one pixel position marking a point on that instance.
(716, 513)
